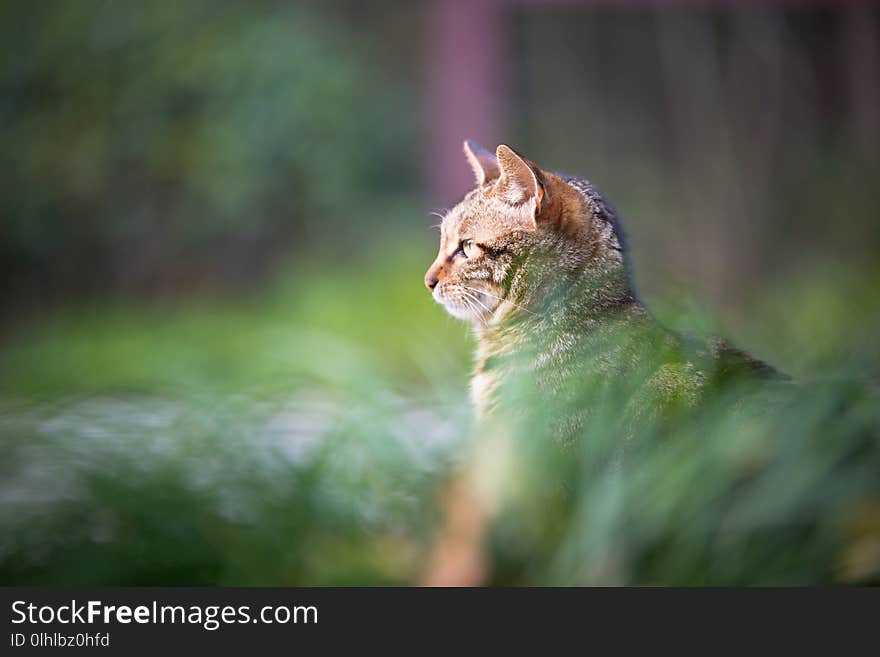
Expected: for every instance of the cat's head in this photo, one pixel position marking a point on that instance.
(488, 260)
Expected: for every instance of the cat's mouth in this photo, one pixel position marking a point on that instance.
(466, 302)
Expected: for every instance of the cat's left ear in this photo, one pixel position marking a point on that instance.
(483, 162)
(521, 182)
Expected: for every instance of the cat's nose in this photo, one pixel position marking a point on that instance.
(431, 281)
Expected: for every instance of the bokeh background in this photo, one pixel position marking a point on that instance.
(218, 363)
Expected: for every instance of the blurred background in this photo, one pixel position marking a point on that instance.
(218, 363)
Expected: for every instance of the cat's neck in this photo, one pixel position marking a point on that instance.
(578, 304)
(546, 334)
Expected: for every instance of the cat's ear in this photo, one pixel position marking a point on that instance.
(521, 182)
(483, 162)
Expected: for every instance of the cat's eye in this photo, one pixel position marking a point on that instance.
(467, 247)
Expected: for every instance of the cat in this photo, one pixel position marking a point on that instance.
(537, 262)
(609, 449)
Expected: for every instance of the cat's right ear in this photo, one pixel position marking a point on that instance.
(483, 162)
(521, 182)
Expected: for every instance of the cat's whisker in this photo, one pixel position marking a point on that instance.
(470, 308)
(441, 215)
(494, 296)
(476, 299)
(469, 300)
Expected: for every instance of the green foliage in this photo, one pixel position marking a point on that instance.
(315, 327)
(300, 434)
(273, 440)
(300, 437)
(185, 144)
(760, 484)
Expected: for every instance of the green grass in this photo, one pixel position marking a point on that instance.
(372, 326)
(299, 436)
(319, 411)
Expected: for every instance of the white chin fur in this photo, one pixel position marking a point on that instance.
(461, 310)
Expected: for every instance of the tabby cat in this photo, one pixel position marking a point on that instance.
(537, 262)
(609, 449)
